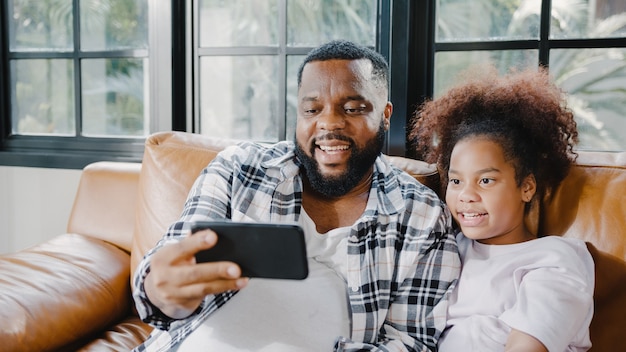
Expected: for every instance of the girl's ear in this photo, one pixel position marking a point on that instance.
(529, 188)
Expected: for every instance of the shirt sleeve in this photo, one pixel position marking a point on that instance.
(429, 266)
(555, 303)
(207, 199)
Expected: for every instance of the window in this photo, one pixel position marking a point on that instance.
(87, 80)
(77, 81)
(232, 72)
(581, 41)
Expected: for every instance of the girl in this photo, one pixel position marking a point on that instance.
(500, 143)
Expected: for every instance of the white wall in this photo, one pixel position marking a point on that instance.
(35, 204)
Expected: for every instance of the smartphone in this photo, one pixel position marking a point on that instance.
(263, 250)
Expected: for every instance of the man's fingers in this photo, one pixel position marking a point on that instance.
(193, 243)
(212, 271)
(211, 287)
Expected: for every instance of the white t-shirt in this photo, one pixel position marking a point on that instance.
(542, 287)
(285, 315)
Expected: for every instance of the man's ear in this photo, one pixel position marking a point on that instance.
(387, 115)
(529, 188)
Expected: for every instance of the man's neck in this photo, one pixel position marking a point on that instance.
(332, 212)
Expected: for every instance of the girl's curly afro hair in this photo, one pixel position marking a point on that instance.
(524, 112)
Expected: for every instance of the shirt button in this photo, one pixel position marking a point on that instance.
(353, 239)
(355, 288)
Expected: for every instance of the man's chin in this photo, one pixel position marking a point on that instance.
(332, 173)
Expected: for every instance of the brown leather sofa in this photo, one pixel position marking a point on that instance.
(73, 291)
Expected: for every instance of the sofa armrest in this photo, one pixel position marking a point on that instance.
(61, 290)
(105, 202)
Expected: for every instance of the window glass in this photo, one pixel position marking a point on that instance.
(58, 89)
(238, 23)
(111, 25)
(113, 97)
(449, 64)
(42, 96)
(293, 64)
(236, 102)
(463, 20)
(40, 25)
(588, 19)
(594, 81)
(313, 22)
(249, 91)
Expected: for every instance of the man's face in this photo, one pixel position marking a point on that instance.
(342, 119)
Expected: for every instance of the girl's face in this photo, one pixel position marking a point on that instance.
(482, 193)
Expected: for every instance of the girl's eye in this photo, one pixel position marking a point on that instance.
(454, 181)
(486, 181)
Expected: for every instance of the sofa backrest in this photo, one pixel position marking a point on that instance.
(590, 204)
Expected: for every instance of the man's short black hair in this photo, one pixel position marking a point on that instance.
(347, 50)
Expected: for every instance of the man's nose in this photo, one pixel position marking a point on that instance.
(330, 120)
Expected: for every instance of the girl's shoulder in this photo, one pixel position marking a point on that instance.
(548, 251)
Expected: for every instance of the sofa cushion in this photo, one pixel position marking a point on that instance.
(61, 291)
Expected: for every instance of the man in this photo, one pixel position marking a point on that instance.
(381, 252)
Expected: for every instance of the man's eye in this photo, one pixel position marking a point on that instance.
(357, 110)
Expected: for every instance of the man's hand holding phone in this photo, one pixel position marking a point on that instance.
(177, 284)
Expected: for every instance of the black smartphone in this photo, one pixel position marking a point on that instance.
(264, 250)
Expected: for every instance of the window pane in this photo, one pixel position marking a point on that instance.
(37, 25)
(238, 23)
(588, 19)
(463, 20)
(113, 24)
(236, 102)
(42, 95)
(448, 65)
(293, 63)
(313, 22)
(594, 79)
(114, 97)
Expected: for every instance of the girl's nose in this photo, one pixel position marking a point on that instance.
(468, 194)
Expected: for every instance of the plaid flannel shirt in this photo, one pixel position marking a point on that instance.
(402, 259)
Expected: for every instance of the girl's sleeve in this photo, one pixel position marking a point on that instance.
(555, 303)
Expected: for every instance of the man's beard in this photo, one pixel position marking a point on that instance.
(359, 164)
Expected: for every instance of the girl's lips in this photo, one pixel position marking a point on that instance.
(472, 218)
